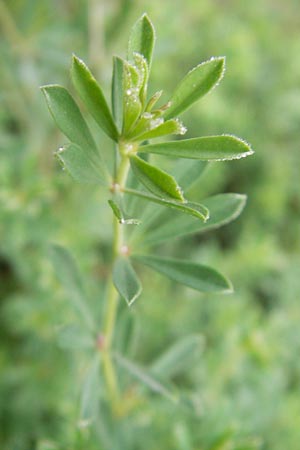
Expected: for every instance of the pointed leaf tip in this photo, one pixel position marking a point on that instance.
(208, 148)
(196, 276)
(197, 83)
(126, 281)
(142, 39)
(155, 180)
(92, 96)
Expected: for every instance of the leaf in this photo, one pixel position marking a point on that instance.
(80, 166)
(75, 337)
(141, 66)
(197, 276)
(208, 148)
(223, 208)
(68, 118)
(92, 96)
(188, 172)
(179, 357)
(132, 106)
(198, 82)
(172, 126)
(194, 209)
(68, 274)
(142, 375)
(117, 90)
(120, 215)
(90, 394)
(125, 280)
(142, 38)
(155, 180)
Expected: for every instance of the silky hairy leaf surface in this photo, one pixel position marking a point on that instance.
(207, 148)
(92, 96)
(193, 209)
(197, 276)
(142, 39)
(68, 117)
(81, 166)
(155, 180)
(171, 126)
(198, 82)
(117, 91)
(125, 280)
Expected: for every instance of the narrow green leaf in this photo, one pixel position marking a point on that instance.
(197, 276)
(117, 90)
(179, 358)
(142, 38)
(132, 105)
(126, 281)
(81, 166)
(90, 395)
(187, 172)
(223, 208)
(193, 209)
(198, 82)
(120, 215)
(155, 180)
(153, 100)
(68, 117)
(141, 66)
(75, 337)
(146, 378)
(92, 96)
(68, 274)
(208, 148)
(172, 126)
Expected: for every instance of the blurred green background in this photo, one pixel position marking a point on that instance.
(245, 385)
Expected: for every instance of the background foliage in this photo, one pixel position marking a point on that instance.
(244, 385)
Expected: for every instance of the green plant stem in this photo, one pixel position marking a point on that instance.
(113, 297)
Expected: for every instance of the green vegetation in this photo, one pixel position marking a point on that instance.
(194, 370)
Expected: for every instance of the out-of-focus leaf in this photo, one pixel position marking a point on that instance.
(68, 117)
(68, 274)
(90, 394)
(188, 172)
(146, 378)
(179, 357)
(81, 166)
(142, 38)
(198, 82)
(117, 90)
(223, 208)
(207, 148)
(193, 209)
(92, 96)
(125, 280)
(197, 276)
(155, 180)
(75, 337)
